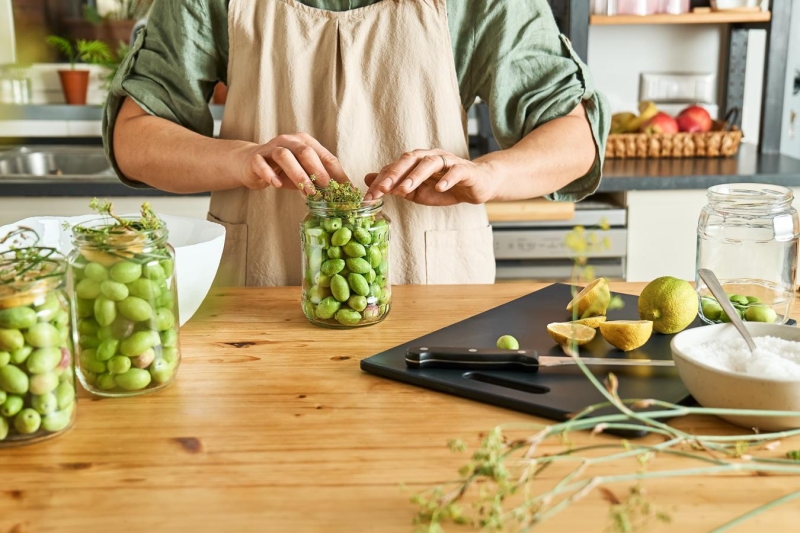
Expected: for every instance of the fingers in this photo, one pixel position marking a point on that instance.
(392, 174)
(425, 169)
(297, 161)
(454, 176)
(329, 161)
(261, 174)
(290, 167)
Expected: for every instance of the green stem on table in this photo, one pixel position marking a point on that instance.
(757, 511)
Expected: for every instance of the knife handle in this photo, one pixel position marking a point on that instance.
(472, 359)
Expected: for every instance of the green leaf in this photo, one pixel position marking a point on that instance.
(64, 46)
(93, 52)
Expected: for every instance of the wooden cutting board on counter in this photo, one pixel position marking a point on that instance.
(537, 209)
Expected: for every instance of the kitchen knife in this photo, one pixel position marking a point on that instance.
(493, 359)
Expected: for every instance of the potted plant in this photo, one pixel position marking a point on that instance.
(74, 82)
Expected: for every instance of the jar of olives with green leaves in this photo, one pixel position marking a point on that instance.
(37, 374)
(345, 263)
(125, 303)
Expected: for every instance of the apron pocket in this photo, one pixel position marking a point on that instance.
(233, 266)
(459, 256)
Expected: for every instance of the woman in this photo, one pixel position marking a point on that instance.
(371, 91)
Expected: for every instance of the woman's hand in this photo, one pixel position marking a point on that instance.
(290, 161)
(433, 177)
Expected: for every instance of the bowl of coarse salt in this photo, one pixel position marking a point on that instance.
(719, 371)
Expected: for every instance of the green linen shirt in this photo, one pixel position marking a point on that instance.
(507, 52)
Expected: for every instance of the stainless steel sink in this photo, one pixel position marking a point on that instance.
(55, 162)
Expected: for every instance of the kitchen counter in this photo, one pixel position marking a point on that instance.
(272, 426)
(684, 174)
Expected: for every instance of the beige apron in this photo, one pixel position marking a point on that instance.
(369, 84)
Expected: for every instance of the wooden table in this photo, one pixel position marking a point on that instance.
(272, 427)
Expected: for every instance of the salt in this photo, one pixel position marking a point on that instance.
(773, 358)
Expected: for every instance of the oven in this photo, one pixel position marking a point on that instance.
(538, 251)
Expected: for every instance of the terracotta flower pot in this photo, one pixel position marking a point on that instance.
(220, 93)
(75, 84)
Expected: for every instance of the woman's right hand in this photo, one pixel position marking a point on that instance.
(290, 161)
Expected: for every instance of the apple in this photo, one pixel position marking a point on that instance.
(695, 119)
(661, 123)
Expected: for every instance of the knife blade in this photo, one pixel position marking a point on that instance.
(494, 359)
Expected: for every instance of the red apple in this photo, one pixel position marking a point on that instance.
(661, 123)
(695, 119)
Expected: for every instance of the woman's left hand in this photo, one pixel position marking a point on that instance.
(433, 177)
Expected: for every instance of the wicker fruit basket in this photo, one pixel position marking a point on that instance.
(720, 142)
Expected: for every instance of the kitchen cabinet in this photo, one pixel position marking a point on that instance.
(14, 209)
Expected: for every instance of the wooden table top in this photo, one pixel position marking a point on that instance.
(272, 427)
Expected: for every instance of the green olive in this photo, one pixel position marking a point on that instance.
(13, 380)
(760, 313)
(507, 342)
(126, 272)
(339, 288)
(27, 421)
(18, 318)
(119, 364)
(43, 360)
(42, 335)
(135, 309)
(12, 405)
(134, 379)
(341, 236)
(11, 339)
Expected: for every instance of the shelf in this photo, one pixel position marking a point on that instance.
(714, 17)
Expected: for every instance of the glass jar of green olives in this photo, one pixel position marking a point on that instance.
(125, 305)
(37, 375)
(345, 264)
(747, 235)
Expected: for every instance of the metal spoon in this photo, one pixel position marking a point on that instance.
(719, 293)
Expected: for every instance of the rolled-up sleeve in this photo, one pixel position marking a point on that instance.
(528, 74)
(172, 68)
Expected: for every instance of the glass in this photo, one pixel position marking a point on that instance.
(125, 308)
(37, 372)
(345, 264)
(747, 235)
(15, 85)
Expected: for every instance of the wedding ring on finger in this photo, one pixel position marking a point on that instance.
(446, 164)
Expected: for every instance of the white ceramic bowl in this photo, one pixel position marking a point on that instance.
(198, 248)
(716, 388)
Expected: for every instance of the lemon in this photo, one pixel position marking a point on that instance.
(592, 301)
(626, 335)
(670, 303)
(592, 322)
(568, 332)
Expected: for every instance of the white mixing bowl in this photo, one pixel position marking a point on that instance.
(198, 248)
(715, 388)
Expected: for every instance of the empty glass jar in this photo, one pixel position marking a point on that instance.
(748, 236)
(345, 264)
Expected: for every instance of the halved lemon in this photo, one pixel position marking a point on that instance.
(626, 335)
(592, 322)
(592, 301)
(568, 332)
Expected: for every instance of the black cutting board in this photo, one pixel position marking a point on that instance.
(552, 392)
